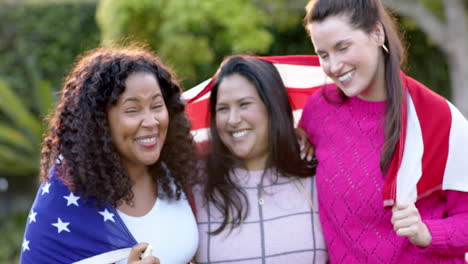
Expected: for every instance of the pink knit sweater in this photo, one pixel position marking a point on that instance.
(348, 139)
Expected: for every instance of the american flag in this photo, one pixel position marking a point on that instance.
(433, 148)
(62, 229)
(432, 153)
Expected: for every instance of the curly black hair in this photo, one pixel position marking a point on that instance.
(79, 134)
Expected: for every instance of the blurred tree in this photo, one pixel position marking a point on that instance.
(188, 35)
(21, 130)
(446, 23)
(40, 40)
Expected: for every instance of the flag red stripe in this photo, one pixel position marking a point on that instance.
(435, 119)
(305, 60)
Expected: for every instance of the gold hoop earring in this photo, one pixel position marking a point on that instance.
(385, 48)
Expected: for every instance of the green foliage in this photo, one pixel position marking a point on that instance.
(12, 230)
(426, 62)
(21, 130)
(40, 40)
(191, 36)
(436, 7)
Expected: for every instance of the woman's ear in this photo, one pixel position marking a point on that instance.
(378, 34)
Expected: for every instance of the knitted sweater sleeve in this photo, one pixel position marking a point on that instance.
(450, 234)
(307, 121)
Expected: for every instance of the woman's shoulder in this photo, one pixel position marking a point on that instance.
(324, 98)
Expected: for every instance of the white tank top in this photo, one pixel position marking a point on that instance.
(169, 227)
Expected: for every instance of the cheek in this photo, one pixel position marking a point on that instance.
(325, 67)
(165, 121)
(219, 122)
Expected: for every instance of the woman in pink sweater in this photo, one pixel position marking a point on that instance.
(355, 126)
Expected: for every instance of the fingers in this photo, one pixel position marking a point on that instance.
(403, 210)
(409, 231)
(310, 153)
(136, 251)
(135, 254)
(307, 151)
(301, 138)
(400, 205)
(407, 222)
(149, 260)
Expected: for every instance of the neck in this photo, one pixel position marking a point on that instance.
(255, 164)
(144, 190)
(137, 173)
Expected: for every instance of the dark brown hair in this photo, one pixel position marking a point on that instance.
(79, 135)
(365, 15)
(283, 147)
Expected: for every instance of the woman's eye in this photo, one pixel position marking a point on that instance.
(157, 106)
(245, 104)
(131, 110)
(221, 109)
(343, 48)
(323, 56)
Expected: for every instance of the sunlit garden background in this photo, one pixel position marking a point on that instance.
(39, 41)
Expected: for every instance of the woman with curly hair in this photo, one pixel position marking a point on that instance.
(115, 166)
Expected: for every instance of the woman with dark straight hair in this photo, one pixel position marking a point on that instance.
(257, 205)
(360, 128)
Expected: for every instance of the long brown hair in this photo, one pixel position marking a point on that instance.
(283, 148)
(365, 15)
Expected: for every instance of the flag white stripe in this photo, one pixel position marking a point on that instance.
(201, 134)
(297, 116)
(456, 170)
(295, 76)
(107, 257)
(194, 91)
(302, 76)
(410, 170)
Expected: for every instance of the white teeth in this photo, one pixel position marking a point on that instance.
(146, 140)
(346, 77)
(240, 133)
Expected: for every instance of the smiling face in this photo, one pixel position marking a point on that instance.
(139, 121)
(352, 58)
(242, 121)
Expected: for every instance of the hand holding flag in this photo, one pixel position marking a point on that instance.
(407, 222)
(142, 254)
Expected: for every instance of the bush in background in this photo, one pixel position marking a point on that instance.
(40, 40)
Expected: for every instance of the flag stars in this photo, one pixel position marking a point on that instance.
(72, 199)
(107, 215)
(32, 216)
(61, 226)
(25, 245)
(45, 188)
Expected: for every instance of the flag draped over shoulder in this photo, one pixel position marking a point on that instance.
(432, 151)
(62, 229)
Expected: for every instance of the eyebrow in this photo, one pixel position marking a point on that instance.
(135, 99)
(336, 44)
